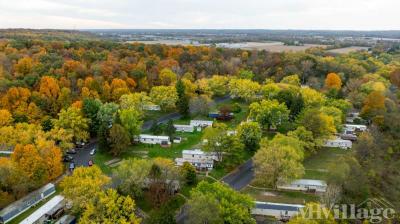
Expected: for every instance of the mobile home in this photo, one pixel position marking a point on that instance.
(201, 123)
(183, 128)
(282, 212)
(20, 206)
(154, 139)
(339, 143)
(151, 107)
(306, 185)
(198, 158)
(355, 127)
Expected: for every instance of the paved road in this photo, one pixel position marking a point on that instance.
(163, 119)
(240, 177)
(82, 156)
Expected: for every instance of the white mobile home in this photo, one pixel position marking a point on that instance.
(154, 139)
(306, 185)
(282, 212)
(183, 128)
(199, 159)
(151, 107)
(339, 143)
(201, 123)
(355, 127)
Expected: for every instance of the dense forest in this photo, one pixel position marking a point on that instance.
(55, 92)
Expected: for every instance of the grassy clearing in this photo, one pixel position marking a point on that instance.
(288, 197)
(316, 165)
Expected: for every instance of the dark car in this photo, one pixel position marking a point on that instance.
(71, 151)
(68, 158)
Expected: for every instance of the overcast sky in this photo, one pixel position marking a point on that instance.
(201, 14)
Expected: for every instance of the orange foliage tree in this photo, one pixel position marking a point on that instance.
(333, 81)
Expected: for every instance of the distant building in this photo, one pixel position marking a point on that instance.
(282, 212)
(355, 127)
(198, 158)
(306, 185)
(154, 139)
(339, 143)
(201, 123)
(30, 200)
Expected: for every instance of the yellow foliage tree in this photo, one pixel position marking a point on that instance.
(5, 118)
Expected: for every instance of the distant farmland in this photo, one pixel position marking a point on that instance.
(268, 46)
(347, 50)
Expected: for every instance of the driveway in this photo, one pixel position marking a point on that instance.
(241, 176)
(82, 156)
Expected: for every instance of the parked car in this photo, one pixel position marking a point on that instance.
(90, 163)
(71, 151)
(93, 151)
(68, 158)
(80, 144)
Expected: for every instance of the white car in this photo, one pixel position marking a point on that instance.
(93, 151)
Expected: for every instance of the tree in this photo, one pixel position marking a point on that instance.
(212, 137)
(374, 105)
(307, 139)
(170, 129)
(156, 128)
(312, 98)
(110, 207)
(134, 101)
(244, 89)
(119, 139)
(24, 66)
(83, 186)
(183, 100)
(199, 105)
(249, 133)
(189, 173)
(293, 100)
(107, 114)
(291, 80)
(90, 109)
(72, 119)
(321, 125)
(395, 77)
(217, 85)
(269, 113)
(130, 176)
(5, 118)
(167, 77)
(276, 162)
(246, 74)
(228, 206)
(333, 81)
(131, 121)
(165, 96)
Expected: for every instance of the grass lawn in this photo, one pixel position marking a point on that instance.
(288, 197)
(316, 165)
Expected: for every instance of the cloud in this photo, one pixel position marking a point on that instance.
(257, 14)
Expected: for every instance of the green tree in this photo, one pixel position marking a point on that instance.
(278, 161)
(249, 134)
(131, 121)
(110, 207)
(156, 128)
(189, 173)
(90, 109)
(72, 119)
(170, 130)
(183, 100)
(321, 125)
(229, 206)
(165, 96)
(119, 139)
(269, 113)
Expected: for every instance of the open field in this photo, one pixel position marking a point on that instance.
(272, 46)
(316, 165)
(347, 50)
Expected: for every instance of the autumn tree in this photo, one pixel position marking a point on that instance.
(278, 161)
(165, 96)
(119, 139)
(333, 81)
(217, 203)
(83, 186)
(5, 118)
(312, 98)
(244, 89)
(110, 207)
(374, 105)
(24, 66)
(167, 77)
(249, 133)
(320, 124)
(217, 85)
(269, 113)
(72, 119)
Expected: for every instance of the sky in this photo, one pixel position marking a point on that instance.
(201, 14)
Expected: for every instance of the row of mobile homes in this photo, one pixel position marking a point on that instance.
(184, 128)
(198, 158)
(154, 139)
(339, 143)
(20, 206)
(44, 213)
(282, 212)
(305, 185)
(66, 219)
(201, 123)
